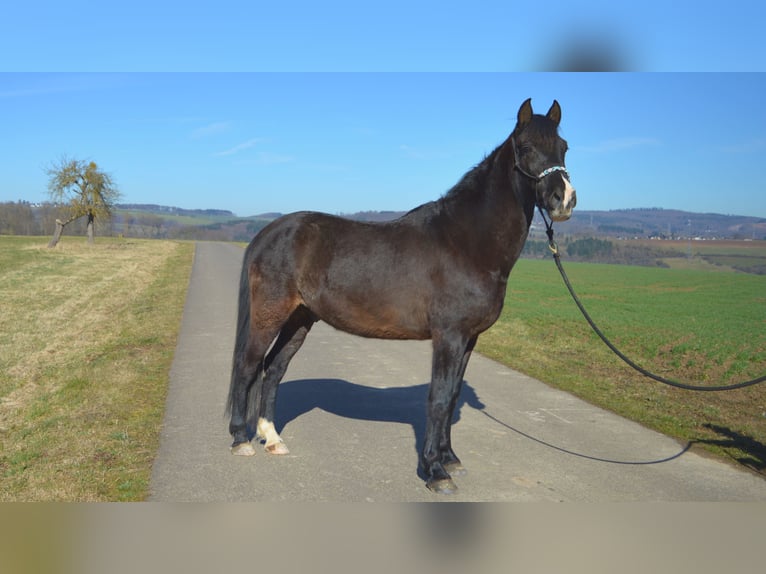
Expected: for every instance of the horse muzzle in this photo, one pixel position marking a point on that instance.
(562, 210)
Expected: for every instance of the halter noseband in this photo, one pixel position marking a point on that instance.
(551, 169)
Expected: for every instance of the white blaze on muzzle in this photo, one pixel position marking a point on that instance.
(569, 191)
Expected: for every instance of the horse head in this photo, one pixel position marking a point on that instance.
(539, 155)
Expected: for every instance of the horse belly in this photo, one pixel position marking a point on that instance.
(369, 300)
(372, 314)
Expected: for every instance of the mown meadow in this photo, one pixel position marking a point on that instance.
(87, 336)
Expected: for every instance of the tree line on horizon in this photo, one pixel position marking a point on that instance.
(25, 218)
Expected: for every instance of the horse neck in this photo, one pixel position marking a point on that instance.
(491, 210)
(507, 182)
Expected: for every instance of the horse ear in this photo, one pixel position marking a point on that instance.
(554, 113)
(525, 112)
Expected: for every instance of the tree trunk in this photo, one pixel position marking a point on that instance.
(90, 228)
(57, 234)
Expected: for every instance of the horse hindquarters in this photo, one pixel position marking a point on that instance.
(265, 305)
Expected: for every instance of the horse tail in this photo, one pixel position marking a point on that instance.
(239, 359)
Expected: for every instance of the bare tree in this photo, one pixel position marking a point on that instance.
(84, 189)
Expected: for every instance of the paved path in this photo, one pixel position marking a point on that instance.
(351, 410)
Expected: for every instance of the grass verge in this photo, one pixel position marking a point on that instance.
(87, 335)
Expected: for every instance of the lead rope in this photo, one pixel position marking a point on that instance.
(557, 258)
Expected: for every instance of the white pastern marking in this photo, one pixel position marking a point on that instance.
(267, 431)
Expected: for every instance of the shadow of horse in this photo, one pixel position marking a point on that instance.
(404, 405)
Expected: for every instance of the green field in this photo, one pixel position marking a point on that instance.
(684, 324)
(746, 256)
(174, 218)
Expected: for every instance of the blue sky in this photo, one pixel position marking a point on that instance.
(343, 142)
(395, 35)
(343, 106)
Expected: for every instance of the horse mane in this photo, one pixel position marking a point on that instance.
(472, 188)
(474, 184)
(474, 180)
(539, 129)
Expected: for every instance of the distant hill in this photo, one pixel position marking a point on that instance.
(358, 216)
(270, 215)
(596, 236)
(663, 223)
(164, 209)
(162, 221)
(637, 223)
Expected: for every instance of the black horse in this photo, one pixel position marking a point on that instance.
(439, 272)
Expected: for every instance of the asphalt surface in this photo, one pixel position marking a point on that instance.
(352, 413)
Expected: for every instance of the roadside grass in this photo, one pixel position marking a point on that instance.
(688, 325)
(87, 335)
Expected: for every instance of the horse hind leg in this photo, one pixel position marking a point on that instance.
(288, 343)
(246, 388)
(255, 334)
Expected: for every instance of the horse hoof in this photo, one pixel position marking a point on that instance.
(442, 486)
(243, 449)
(277, 448)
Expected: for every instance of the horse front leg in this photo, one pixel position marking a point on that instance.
(450, 358)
